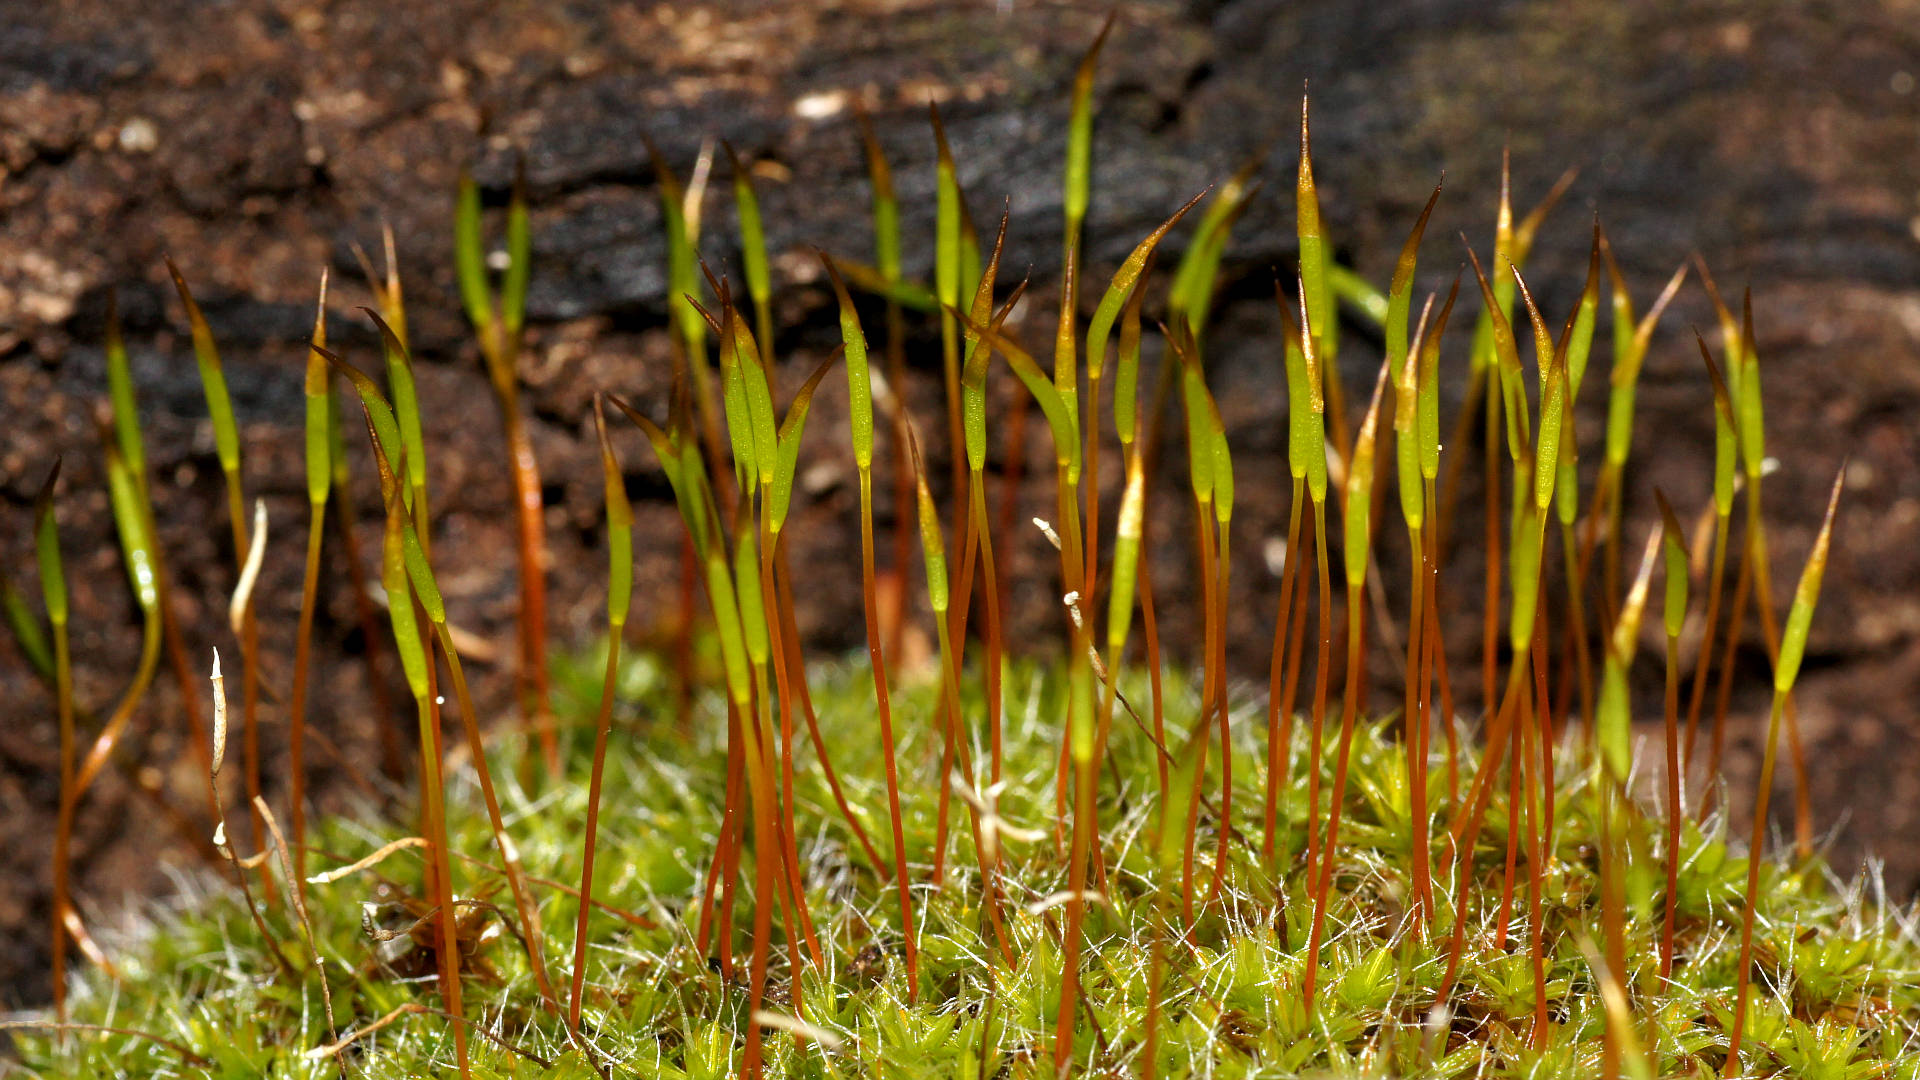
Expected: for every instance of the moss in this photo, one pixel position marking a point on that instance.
(1837, 970)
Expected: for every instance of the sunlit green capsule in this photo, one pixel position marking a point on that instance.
(1747, 404)
(1673, 547)
(1429, 419)
(1358, 521)
(126, 408)
(1307, 427)
(386, 429)
(1190, 297)
(1126, 559)
(1579, 351)
(130, 521)
(1406, 420)
(853, 341)
(1626, 371)
(318, 391)
(1615, 725)
(1547, 454)
(420, 573)
(1126, 380)
(213, 380)
(1726, 450)
(756, 393)
(1222, 461)
(1193, 393)
(1027, 370)
(46, 542)
(932, 547)
(619, 513)
(886, 205)
(406, 405)
(1317, 292)
(788, 453)
(683, 274)
(393, 578)
(1793, 639)
(1400, 291)
(1078, 184)
(1117, 294)
(973, 374)
(753, 236)
(1483, 352)
(946, 229)
(1506, 356)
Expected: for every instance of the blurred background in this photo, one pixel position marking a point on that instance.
(256, 141)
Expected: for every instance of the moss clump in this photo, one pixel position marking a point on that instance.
(1836, 969)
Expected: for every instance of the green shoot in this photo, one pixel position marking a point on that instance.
(226, 441)
(1793, 645)
(53, 590)
(499, 324)
(1673, 545)
(319, 458)
(1358, 535)
(860, 411)
(619, 597)
(1725, 461)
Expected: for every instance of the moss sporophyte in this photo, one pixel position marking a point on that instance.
(652, 875)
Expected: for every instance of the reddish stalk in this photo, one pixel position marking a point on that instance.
(1770, 637)
(1465, 833)
(1356, 634)
(509, 855)
(297, 720)
(1279, 734)
(530, 518)
(766, 848)
(1456, 465)
(440, 872)
(392, 751)
(1437, 646)
(250, 692)
(1322, 660)
(1150, 627)
(1673, 803)
(1429, 655)
(785, 814)
(995, 644)
(1543, 722)
(1296, 652)
(1490, 618)
(1222, 571)
(1413, 719)
(683, 635)
(797, 670)
(1515, 772)
(1012, 472)
(721, 870)
(1723, 694)
(1086, 825)
(883, 702)
(603, 724)
(1533, 742)
(1703, 661)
